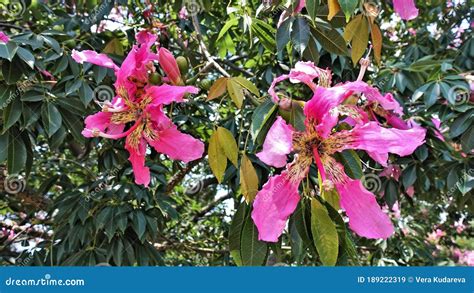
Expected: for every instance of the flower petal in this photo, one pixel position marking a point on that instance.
(278, 144)
(373, 95)
(365, 215)
(94, 58)
(405, 8)
(379, 141)
(166, 94)
(177, 145)
(137, 159)
(273, 205)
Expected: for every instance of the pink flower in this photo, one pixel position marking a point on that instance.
(392, 171)
(4, 38)
(410, 191)
(435, 236)
(318, 143)
(183, 13)
(405, 8)
(136, 112)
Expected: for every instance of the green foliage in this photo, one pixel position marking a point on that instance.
(95, 214)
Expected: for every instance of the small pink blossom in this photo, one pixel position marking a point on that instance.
(183, 13)
(4, 38)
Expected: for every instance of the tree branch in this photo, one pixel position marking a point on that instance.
(203, 47)
(211, 206)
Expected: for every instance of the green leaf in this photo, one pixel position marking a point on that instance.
(236, 92)
(461, 124)
(391, 193)
(3, 147)
(248, 85)
(8, 51)
(26, 56)
(312, 8)
(348, 7)
(331, 40)
(300, 34)
(235, 232)
(230, 23)
(11, 114)
(16, 152)
(265, 33)
(312, 52)
(253, 251)
(467, 140)
(409, 176)
(260, 121)
(139, 224)
(217, 157)
(248, 179)
(283, 33)
(11, 71)
(360, 41)
(228, 144)
(51, 117)
(324, 233)
(352, 163)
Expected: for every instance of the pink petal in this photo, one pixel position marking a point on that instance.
(170, 66)
(100, 121)
(177, 145)
(137, 159)
(380, 141)
(94, 58)
(278, 144)
(405, 8)
(301, 5)
(146, 38)
(373, 95)
(4, 38)
(166, 94)
(318, 109)
(304, 72)
(410, 191)
(365, 215)
(273, 205)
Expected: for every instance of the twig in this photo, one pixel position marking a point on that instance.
(203, 47)
(237, 68)
(211, 206)
(178, 177)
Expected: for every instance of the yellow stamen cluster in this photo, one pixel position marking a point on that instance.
(333, 169)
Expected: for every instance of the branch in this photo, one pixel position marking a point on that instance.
(178, 177)
(211, 206)
(203, 47)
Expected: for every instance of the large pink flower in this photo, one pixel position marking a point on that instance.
(320, 141)
(136, 112)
